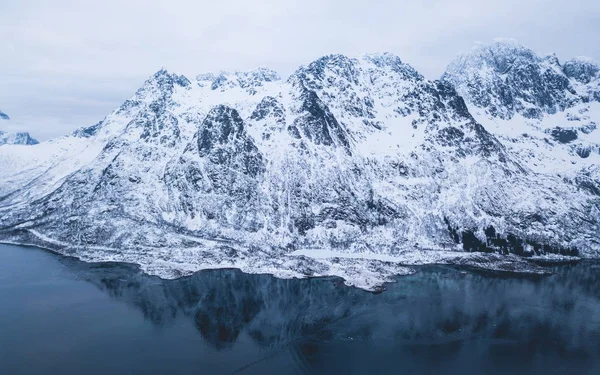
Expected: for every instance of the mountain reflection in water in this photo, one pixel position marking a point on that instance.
(439, 320)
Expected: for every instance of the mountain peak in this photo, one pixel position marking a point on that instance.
(332, 61)
(161, 84)
(316, 74)
(4, 116)
(499, 55)
(163, 76)
(505, 78)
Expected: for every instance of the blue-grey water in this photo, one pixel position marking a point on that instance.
(62, 316)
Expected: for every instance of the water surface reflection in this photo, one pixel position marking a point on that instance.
(438, 315)
(439, 320)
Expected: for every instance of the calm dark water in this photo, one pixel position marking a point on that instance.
(62, 316)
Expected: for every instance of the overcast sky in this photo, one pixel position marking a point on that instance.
(67, 63)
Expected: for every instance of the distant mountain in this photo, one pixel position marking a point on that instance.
(350, 167)
(14, 138)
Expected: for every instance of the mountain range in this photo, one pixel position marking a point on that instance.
(351, 167)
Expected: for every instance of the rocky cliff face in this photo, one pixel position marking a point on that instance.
(357, 157)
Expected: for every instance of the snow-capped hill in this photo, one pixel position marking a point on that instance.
(357, 156)
(4, 116)
(505, 79)
(16, 139)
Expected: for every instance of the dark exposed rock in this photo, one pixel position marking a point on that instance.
(224, 141)
(317, 123)
(563, 135)
(583, 70)
(584, 152)
(269, 106)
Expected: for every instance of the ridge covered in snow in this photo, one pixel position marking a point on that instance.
(354, 167)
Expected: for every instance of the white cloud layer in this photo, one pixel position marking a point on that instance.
(68, 63)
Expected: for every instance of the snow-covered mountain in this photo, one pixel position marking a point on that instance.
(351, 167)
(16, 139)
(7, 138)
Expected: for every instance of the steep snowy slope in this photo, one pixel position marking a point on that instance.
(348, 158)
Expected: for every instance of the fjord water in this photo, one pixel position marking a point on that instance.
(59, 315)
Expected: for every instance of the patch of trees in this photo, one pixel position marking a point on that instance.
(505, 244)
